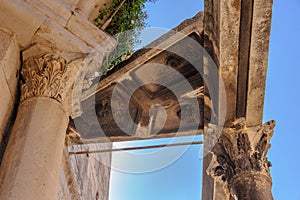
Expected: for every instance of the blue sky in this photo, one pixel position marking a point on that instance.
(178, 181)
(283, 97)
(182, 179)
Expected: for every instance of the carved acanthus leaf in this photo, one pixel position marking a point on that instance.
(241, 149)
(52, 76)
(44, 76)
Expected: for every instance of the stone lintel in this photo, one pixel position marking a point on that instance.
(187, 27)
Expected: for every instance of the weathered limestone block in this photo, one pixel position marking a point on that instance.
(7, 107)
(9, 76)
(239, 160)
(85, 7)
(71, 3)
(67, 189)
(55, 9)
(90, 34)
(51, 34)
(25, 17)
(63, 190)
(91, 171)
(90, 8)
(85, 176)
(221, 40)
(21, 18)
(258, 60)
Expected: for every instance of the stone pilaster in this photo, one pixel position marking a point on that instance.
(240, 162)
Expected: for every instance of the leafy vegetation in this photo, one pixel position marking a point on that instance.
(127, 20)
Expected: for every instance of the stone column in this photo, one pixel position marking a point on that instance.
(240, 162)
(32, 161)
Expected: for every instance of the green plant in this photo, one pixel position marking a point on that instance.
(127, 20)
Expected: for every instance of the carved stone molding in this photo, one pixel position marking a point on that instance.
(240, 155)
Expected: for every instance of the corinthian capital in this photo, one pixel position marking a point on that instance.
(241, 151)
(52, 76)
(44, 76)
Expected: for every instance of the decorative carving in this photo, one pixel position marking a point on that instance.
(241, 150)
(173, 61)
(44, 76)
(52, 76)
(104, 109)
(186, 113)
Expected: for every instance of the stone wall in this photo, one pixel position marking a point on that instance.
(85, 176)
(9, 76)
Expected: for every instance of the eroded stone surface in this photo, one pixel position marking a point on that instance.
(91, 171)
(21, 18)
(31, 164)
(258, 61)
(239, 159)
(9, 76)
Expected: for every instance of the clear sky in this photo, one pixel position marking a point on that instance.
(283, 97)
(182, 179)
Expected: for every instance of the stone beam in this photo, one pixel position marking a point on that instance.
(221, 40)
(237, 37)
(187, 27)
(258, 60)
(240, 160)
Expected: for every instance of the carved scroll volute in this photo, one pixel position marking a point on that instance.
(50, 76)
(241, 150)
